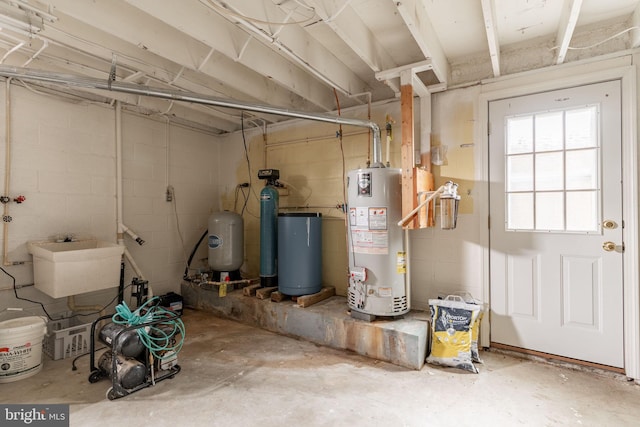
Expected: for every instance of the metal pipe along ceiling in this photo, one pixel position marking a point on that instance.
(71, 80)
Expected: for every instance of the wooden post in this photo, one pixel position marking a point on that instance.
(409, 188)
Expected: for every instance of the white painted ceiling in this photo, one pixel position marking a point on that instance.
(300, 54)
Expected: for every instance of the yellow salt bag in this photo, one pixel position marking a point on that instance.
(475, 332)
(451, 332)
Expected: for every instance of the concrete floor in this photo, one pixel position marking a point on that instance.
(238, 375)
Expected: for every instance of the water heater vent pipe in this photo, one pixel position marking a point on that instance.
(71, 80)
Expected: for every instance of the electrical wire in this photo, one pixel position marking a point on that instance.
(246, 155)
(335, 15)
(175, 210)
(246, 200)
(231, 13)
(73, 364)
(245, 196)
(304, 5)
(344, 177)
(163, 326)
(193, 253)
(15, 292)
(600, 42)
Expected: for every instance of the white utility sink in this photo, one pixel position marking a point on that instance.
(70, 268)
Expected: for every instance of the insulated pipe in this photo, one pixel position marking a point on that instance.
(90, 83)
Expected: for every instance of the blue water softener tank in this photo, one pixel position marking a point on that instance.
(269, 228)
(299, 253)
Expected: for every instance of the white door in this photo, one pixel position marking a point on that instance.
(556, 223)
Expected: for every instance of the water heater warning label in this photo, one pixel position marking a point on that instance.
(370, 242)
(368, 218)
(377, 218)
(401, 263)
(369, 233)
(358, 217)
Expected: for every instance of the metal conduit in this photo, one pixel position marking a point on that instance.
(72, 80)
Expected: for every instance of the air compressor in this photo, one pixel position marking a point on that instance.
(143, 347)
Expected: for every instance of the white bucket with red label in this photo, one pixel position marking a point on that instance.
(21, 347)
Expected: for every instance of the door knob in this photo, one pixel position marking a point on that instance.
(609, 225)
(609, 246)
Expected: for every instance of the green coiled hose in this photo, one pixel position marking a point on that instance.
(159, 338)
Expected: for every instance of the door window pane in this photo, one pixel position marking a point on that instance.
(582, 169)
(550, 211)
(582, 211)
(520, 173)
(581, 128)
(549, 171)
(520, 211)
(549, 131)
(519, 135)
(552, 163)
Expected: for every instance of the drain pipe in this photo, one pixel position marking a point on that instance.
(6, 199)
(118, 111)
(78, 81)
(71, 303)
(7, 172)
(119, 210)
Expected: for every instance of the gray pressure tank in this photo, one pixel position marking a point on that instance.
(226, 241)
(299, 253)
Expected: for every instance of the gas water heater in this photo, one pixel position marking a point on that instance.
(377, 254)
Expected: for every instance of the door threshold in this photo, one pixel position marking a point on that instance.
(553, 358)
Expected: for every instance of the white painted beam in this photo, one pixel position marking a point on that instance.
(417, 67)
(291, 41)
(635, 22)
(207, 26)
(347, 25)
(134, 26)
(78, 36)
(415, 16)
(407, 74)
(566, 27)
(489, 14)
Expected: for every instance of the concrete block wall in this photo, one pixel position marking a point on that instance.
(158, 155)
(63, 162)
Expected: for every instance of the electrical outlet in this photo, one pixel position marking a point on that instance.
(169, 194)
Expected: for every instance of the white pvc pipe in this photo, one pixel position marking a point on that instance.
(118, 111)
(135, 267)
(119, 203)
(7, 171)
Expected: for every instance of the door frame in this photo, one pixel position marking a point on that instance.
(561, 77)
